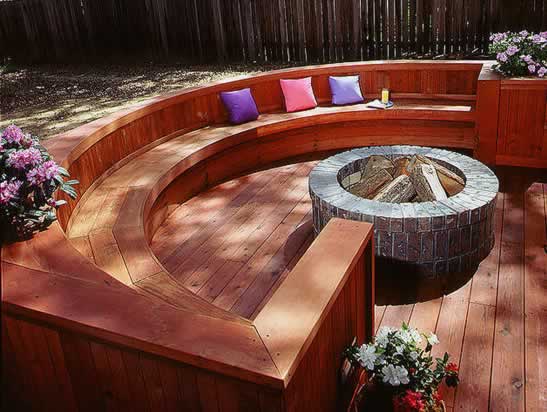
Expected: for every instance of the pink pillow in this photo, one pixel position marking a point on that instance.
(298, 94)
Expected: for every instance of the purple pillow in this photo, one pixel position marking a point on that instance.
(345, 90)
(240, 105)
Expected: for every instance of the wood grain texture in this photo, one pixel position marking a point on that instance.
(522, 102)
(269, 321)
(488, 88)
(476, 359)
(535, 268)
(508, 387)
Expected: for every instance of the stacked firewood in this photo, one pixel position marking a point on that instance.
(406, 179)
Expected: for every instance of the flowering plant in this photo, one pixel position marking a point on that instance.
(397, 362)
(29, 179)
(520, 54)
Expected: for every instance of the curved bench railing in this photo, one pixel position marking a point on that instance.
(81, 314)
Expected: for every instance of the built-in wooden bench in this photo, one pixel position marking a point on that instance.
(112, 224)
(92, 290)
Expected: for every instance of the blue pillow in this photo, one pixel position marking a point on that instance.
(240, 105)
(345, 90)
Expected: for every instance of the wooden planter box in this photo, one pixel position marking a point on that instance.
(512, 120)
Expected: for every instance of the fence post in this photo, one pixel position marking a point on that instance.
(486, 129)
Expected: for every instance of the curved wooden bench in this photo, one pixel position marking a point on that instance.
(136, 163)
(117, 219)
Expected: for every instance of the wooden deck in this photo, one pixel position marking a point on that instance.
(234, 244)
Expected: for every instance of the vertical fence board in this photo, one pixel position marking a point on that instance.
(258, 30)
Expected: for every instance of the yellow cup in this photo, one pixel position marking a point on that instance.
(385, 96)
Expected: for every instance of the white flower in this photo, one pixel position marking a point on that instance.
(432, 339)
(405, 335)
(395, 375)
(367, 356)
(399, 349)
(409, 335)
(415, 335)
(382, 336)
(413, 355)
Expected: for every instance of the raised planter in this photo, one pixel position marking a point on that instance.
(512, 120)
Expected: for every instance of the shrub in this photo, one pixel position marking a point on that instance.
(29, 179)
(520, 54)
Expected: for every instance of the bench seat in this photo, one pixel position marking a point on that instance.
(111, 227)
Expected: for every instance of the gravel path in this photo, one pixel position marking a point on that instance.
(46, 100)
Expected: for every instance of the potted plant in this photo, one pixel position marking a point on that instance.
(402, 374)
(29, 179)
(520, 54)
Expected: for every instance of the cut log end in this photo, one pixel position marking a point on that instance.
(400, 190)
(426, 183)
(451, 182)
(368, 187)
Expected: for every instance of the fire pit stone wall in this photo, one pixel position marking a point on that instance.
(446, 236)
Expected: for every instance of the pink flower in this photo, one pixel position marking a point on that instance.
(13, 134)
(9, 190)
(24, 158)
(43, 173)
(542, 71)
(532, 68)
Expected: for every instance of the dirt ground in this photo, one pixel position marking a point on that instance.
(46, 100)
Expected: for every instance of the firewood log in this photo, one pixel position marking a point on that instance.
(368, 186)
(376, 163)
(451, 182)
(427, 183)
(400, 166)
(400, 190)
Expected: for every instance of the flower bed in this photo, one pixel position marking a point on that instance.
(520, 54)
(29, 179)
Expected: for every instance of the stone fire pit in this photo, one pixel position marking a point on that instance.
(429, 238)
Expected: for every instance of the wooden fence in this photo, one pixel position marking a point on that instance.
(258, 30)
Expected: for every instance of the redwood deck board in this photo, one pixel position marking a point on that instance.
(210, 228)
(395, 315)
(450, 330)
(507, 391)
(241, 242)
(485, 280)
(535, 269)
(476, 359)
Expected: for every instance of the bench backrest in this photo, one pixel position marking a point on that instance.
(89, 151)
